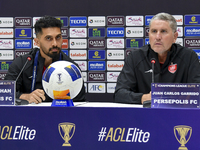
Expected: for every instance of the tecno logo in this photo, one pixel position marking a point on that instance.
(78, 21)
(115, 32)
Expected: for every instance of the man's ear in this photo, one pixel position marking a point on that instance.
(175, 36)
(37, 42)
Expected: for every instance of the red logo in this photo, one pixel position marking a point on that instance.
(172, 68)
(65, 44)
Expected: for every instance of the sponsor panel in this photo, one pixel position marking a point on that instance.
(179, 41)
(96, 54)
(85, 84)
(134, 32)
(78, 21)
(197, 52)
(115, 32)
(115, 43)
(65, 44)
(78, 54)
(6, 44)
(35, 45)
(192, 42)
(64, 32)
(115, 65)
(78, 43)
(96, 76)
(115, 21)
(115, 54)
(78, 32)
(148, 19)
(23, 44)
(2, 74)
(128, 51)
(64, 20)
(84, 76)
(111, 87)
(96, 88)
(192, 19)
(23, 33)
(23, 21)
(5, 65)
(112, 76)
(146, 31)
(179, 19)
(96, 32)
(96, 21)
(96, 65)
(134, 20)
(34, 35)
(21, 52)
(147, 41)
(134, 43)
(180, 31)
(6, 22)
(65, 51)
(6, 33)
(82, 65)
(35, 19)
(96, 43)
(192, 31)
(6, 55)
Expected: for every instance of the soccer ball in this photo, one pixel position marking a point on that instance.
(62, 80)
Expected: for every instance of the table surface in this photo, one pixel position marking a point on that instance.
(91, 104)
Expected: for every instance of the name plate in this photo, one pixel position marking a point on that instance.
(7, 92)
(175, 95)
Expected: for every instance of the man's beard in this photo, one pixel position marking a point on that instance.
(55, 56)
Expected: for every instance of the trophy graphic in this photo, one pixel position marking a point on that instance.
(65, 129)
(183, 133)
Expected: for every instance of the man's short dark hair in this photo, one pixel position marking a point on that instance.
(46, 22)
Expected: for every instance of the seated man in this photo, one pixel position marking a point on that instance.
(173, 63)
(49, 40)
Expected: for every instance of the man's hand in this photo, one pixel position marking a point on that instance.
(146, 97)
(35, 97)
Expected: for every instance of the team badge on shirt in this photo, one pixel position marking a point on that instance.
(172, 68)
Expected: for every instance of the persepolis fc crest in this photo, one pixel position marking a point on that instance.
(172, 68)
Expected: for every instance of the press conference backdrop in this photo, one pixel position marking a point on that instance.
(97, 34)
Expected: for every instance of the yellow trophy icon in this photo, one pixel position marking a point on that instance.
(65, 129)
(183, 132)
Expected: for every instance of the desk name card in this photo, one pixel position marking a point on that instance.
(175, 95)
(7, 92)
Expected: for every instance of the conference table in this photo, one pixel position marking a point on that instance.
(99, 126)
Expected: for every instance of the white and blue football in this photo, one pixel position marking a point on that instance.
(62, 80)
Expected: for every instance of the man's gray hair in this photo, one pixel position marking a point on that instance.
(165, 17)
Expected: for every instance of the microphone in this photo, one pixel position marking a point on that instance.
(28, 59)
(22, 101)
(153, 61)
(147, 104)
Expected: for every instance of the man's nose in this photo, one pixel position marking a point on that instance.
(158, 36)
(54, 42)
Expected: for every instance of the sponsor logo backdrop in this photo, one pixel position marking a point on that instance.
(96, 43)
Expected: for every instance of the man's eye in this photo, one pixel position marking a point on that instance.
(48, 38)
(58, 37)
(163, 31)
(153, 31)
